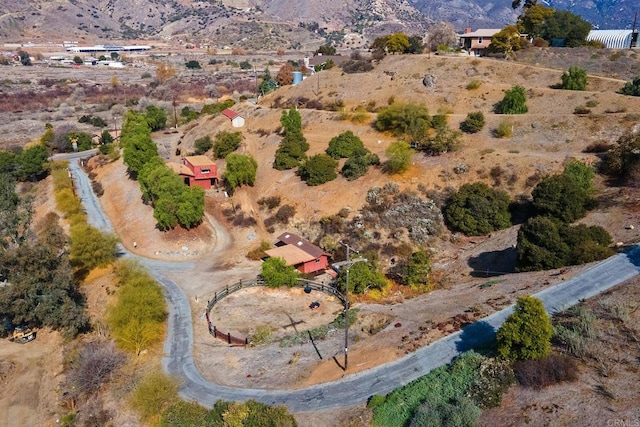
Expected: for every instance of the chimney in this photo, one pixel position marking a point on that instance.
(467, 30)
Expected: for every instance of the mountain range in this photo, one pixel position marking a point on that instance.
(270, 24)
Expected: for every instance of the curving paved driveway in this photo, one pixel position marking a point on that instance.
(356, 388)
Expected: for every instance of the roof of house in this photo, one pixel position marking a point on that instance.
(179, 168)
(229, 113)
(482, 32)
(291, 254)
(199, 160)
(305, 245)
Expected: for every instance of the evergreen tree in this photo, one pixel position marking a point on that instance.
(526, 333)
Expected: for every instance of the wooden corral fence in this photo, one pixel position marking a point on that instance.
(243, 284)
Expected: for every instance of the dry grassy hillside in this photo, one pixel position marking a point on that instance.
(542, 139)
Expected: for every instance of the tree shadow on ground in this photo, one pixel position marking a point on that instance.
(494, 263)
(479, 336)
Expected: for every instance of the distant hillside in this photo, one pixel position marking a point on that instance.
(273, 24)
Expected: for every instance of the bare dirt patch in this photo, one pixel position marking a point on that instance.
(29, 373)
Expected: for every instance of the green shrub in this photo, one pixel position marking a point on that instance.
(362, 276)
(504, 129)
(473, 123)
(193, 65)
(202, 145)
(458, 412)
(631, 88)
(527, 332)
(275, 273)
(622, 160)
(137, 319)
(405, 120)
(241, 170)
(183, 414)
(476, 209)
(473, 84)
(514, 102)
(357, 166)
(90, 247)
(496, 376)
(225, 143)
(318, 169)
(443, 141)
(399, 156)
(565, 196)
(156, 117)
(153, 394)
(345, 145)
(293, 146)
(574, 79)
(375, 401)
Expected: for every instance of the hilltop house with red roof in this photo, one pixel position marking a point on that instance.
(196, 170)
(237, 121)
(300, 253)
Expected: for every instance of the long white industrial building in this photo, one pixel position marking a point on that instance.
(108, 48)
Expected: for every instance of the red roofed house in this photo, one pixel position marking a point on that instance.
(302, 254)
(196, 170)
(237, 121)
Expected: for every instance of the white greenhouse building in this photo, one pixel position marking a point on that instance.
(615, 39)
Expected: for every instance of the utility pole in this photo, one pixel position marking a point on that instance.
(346, 305)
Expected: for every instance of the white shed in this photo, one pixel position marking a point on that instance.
(237, 121)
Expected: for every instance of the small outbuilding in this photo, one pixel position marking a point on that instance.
(237, 121)
(300, 253)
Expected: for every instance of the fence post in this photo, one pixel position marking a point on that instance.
(215, 331)
(228, 337)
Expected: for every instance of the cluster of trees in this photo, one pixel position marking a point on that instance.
(547, 240)
(41, 290)
(293, 147)
(413, 123)
(397, 43)
(349, 146)
(174, 203)
(545, 25)
(40, 265)
(30, 164)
